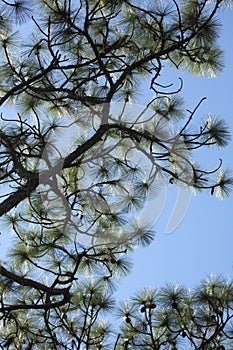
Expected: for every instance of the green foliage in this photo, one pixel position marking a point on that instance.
(217, 132)
(177, 318)
(74, 208)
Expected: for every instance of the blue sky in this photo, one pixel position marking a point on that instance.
(203, 242)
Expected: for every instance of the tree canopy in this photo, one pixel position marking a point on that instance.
(74, 207)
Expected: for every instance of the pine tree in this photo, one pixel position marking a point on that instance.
(177, 318)
(79, 66)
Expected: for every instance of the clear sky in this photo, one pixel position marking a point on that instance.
(203, 242)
